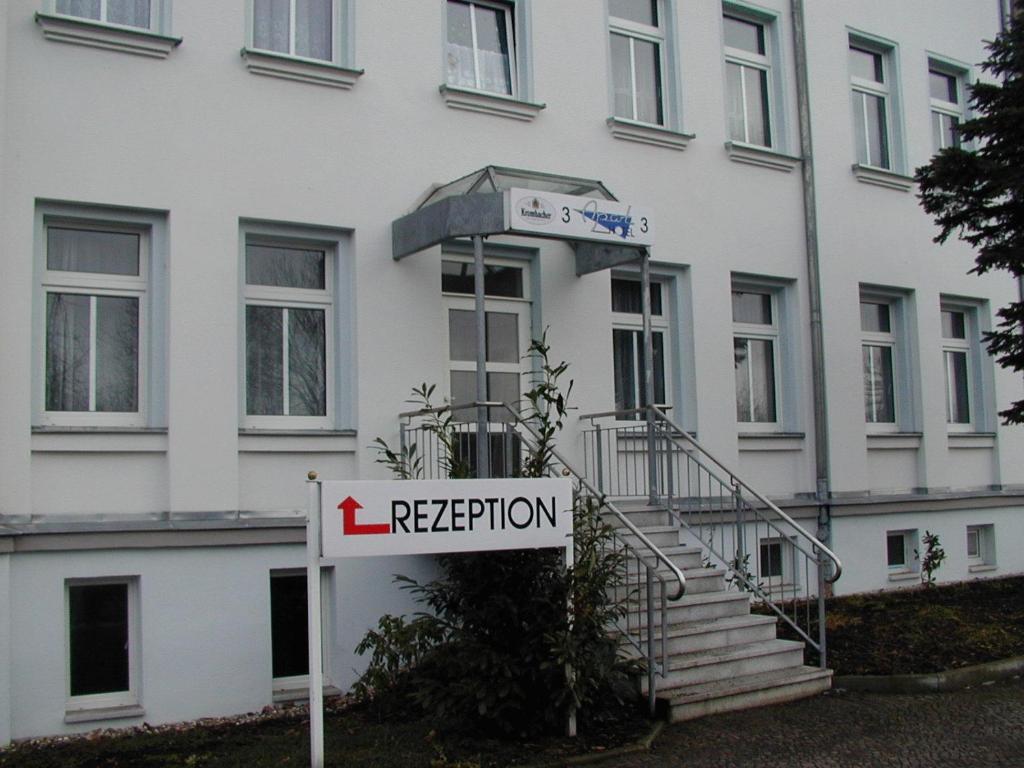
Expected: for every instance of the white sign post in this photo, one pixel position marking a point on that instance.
(369, 518)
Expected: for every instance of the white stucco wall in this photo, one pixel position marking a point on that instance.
(204, 144)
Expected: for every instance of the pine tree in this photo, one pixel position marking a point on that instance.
(977, 192)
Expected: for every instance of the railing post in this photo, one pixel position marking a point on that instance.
(741, 545)
(651, 665)
(599, 457)
(822, 650)
(645, 301)
(482, 439)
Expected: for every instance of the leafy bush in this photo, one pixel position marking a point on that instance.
(500, 648)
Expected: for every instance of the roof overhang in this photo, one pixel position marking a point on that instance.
(477, 205)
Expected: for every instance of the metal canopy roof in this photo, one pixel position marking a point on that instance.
(474, 206)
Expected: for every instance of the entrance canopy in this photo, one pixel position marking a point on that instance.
(497, 201)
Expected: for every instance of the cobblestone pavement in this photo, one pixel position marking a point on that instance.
(979, 727)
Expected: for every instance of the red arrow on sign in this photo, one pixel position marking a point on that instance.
(349, 526)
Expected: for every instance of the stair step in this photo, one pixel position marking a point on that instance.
(659, 535)
(698, 581)
(715, 664)
(718, 633)
(744, 691)
(703, 606)
(641, 516)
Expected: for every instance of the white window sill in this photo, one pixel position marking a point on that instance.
(764, 157)
(302, 70)
(297, 694)
(904, 576)
(646, 133)
(98, 440)
(771, 441)
(981, 568)
(94, 714)
(489, 103)
(971, 440)
(882, 177)
(296, 441)
(893, 441)
(94, 34)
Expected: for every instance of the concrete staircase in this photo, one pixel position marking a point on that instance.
(721, 657)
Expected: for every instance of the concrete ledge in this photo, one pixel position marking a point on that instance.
(950, 680)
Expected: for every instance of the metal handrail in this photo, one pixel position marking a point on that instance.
(639, 550)
(602, 498)
(812, 540)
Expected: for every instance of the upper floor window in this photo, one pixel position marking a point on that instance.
(869, 80)
(956, 352)
(755, 353)
(878, 353)
(303, 28)
(128, 13)
(637, 36)
(946, 89)
(288, 332)
(96, 307)
(748, 80)
(480, 47)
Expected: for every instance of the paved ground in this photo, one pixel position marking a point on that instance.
(975, 728)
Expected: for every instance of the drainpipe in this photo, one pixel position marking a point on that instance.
(823, 481)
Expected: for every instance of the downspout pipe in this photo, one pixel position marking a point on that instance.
(823, 480)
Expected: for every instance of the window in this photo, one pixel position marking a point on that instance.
(102, 643)
(900, 553)
(776, 563)
(507, 336)
(289, 625)
(302, 28)
(480, 47)
(870, 112)
(637, 39)
(946, 89)
(128, 13)
(878, 353)
(748, 80)
(755, 355)
(288, 332)
(875, 94)
(628, 344)
(981, 548)
(956, 355)
(101, 345)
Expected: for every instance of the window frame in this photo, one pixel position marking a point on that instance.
(985, 556)
(634, 322)
(509, 10)
(940, 108)
(900, 339)
(149, 287)
(159, 17)
(960, 346)
(761, 332)
(660, 36)
(296, 687)
(521, 306)
(337, 301)
(768, 62)
(911, 564)
(111, 700)
(888, 91)
(340, 42)
(789, 574)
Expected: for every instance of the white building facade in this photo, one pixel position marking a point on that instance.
(200, 301)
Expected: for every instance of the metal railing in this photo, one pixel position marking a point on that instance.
(641, 453)
(439, 442)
